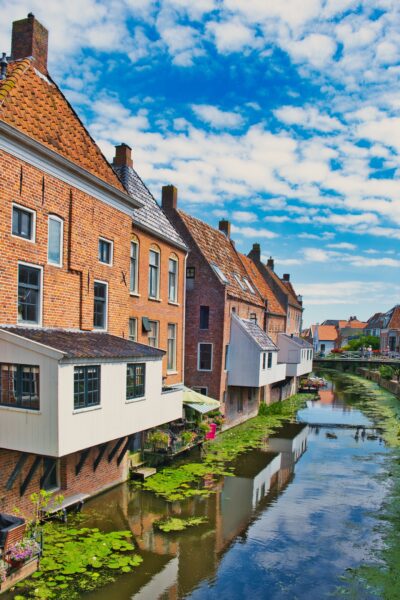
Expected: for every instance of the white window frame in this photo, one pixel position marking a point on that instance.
(106, 323)
(135, 290)
(52, 217)
(173, 368)
(157, 344)
(249, 285)
(157, 297)
(239, 281)
(136, 329)
(175, 260)
(198, 356)
(198, 388)
(40, 268)
(32, 240)
(103, 239)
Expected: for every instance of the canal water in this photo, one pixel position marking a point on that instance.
(289, 523)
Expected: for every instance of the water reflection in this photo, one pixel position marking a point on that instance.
(274, 527)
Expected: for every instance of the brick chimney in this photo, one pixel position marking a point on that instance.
(169, 197)
(123, 156)
(255, 253)
(286, 277)
(30, 38)
(225, 226)
(270, 263)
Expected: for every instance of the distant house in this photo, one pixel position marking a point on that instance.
(390, 332)
(349, 330)
(375, 324)
(324, 338)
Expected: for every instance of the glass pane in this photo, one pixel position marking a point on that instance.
(28, 294)
(54, 249)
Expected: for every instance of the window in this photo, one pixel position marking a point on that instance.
(200, 390)
(105, 251)
(190, 272)
(50, 480)
(29, 292)
(134, 272)
(240, 282)
(153, 334)
(226, 357)
(264, 361)
(135, 381)
(154, 273)
(204, 317)
(219, 273)
(100, 305)
(247, 282)
(171, 347)
(204, 358)
(86, 387)
(55, 241)
(253, 317)
(23, 222)
(269, 360)
(173, 280)
(133, 330)
(19, 386)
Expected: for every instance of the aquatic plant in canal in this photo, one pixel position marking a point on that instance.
(183, 481)
(177, 524)
(78, 560)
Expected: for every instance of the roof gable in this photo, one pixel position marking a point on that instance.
(327, 333)
(217, 249)
(32, 103)
(265, 291)
(291, 298)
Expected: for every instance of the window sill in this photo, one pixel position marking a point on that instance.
(78, 411)
(105, 263)
(50, 264)
(24, 324)
(135, 294)
(174, 372)
(205, 370)
(173, 303)
(29, 411)
(133, 400)
(20, 237)
(154, 299)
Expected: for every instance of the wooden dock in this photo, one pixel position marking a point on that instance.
(143, 472)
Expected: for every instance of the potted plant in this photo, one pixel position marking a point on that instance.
(22, 551)
(3, 572)
(158, 439)
(187, 437)
(204, 428)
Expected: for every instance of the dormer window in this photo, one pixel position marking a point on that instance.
(219, 273)
(247, 282)
(239, 281)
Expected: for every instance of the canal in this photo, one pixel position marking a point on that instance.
(289, 524)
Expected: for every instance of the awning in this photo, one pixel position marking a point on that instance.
(199, 402)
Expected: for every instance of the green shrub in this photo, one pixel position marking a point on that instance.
(386, 372)
(263, 410)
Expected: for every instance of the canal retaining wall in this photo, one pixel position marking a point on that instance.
(391, 386)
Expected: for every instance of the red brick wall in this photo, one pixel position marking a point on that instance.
(275, 325)
(162, 311)
(87, 481)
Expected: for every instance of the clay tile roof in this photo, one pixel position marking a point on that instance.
(265, 291)
(376, 321)
(289, 293)
(394, 322)
(151, 215)
(216, 248)
(327, 333)
(87, 344)
(32, 103)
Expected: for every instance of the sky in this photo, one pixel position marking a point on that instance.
(281, 116)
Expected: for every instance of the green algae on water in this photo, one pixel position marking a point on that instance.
(171, 524)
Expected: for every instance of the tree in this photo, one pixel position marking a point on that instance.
(364, 341)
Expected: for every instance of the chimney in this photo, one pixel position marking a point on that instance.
(300, 299)
(169, 197)
(286, 277)
(30, 38)
(270, 263)
(123, 156)
(225, 226)
(255, 253)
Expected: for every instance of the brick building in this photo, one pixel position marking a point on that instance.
(228, 354)
(390, 331)
(74, 389)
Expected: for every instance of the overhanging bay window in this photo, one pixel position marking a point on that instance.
(19, 386)
(135, 381)
(86, 386)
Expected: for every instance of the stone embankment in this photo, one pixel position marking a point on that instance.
(391, 386)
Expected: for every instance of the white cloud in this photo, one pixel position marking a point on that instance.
(243, 216)
(342, 246)
(253, 233)
(308, 117)
(216, 117)
(231, 36)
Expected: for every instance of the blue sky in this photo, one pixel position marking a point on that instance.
(281, 116)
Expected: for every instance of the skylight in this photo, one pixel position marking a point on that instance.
(220, 274)
(247, 282)
(240, 282)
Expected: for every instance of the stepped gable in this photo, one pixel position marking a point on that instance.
(218, 249)
(150, 216)
(266, 292)
(32, 103)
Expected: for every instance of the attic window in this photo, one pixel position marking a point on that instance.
(219, 273)
(240, 282)
(247, 282)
